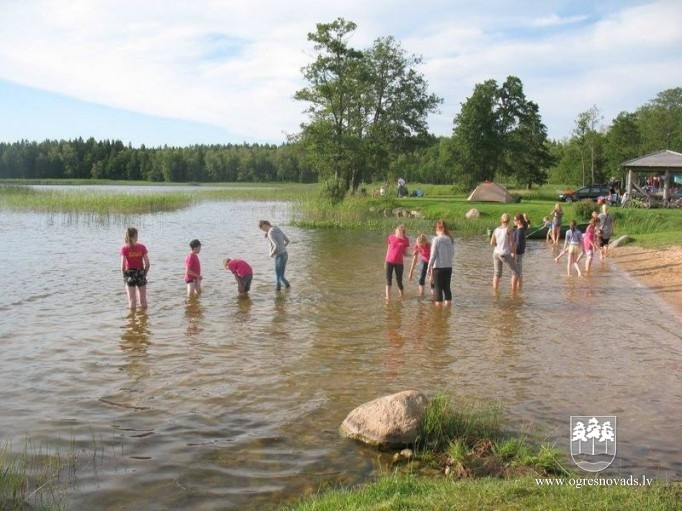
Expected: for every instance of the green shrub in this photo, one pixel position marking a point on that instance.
(333, 190)
(583, 210)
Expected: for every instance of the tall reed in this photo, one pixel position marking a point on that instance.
(23, 198)
(33, 479)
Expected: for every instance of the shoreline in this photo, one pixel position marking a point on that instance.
(658, 269)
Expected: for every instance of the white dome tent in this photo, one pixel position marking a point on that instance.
(488, 191)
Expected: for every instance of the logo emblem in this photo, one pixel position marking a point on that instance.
(593, 441)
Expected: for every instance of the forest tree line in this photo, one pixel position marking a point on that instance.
(366, 122)
(111, 159)
(591, 154)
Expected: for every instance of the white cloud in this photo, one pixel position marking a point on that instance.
(236, 64)
(554, 20)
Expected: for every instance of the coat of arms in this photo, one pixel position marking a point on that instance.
(593, 441)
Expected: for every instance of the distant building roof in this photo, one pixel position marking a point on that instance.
(656, 162)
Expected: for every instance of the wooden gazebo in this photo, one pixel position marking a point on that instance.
(661, 162)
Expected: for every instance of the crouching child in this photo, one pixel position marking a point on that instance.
(243, 274)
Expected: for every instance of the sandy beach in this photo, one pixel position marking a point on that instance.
(660, 270)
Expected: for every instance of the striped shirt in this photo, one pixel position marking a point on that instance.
(574, 236)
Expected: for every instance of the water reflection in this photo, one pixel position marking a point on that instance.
(279, 320)
(420, 328)
(194, 313)
(505, 318)
(394, 358)
(243, 312)
(136, 337)
(135, 344)
(440, 324)
(440, 338)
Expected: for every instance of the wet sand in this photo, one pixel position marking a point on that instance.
(658, 269)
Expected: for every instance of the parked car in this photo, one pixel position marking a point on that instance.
(588, 192)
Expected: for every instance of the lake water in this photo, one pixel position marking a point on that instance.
(225, 404)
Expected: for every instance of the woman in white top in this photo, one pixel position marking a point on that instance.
(505, 249)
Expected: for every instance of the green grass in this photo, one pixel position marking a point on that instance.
(468, 440)
(98, 202)
(34, 479)
(409, 492)
(107, 201)
(440, 201)
(653, 228)
(39, 477)
(467, 422)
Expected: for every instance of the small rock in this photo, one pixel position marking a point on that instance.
(405, 454)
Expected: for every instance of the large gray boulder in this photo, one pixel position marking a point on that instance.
(387, 422)
(619, 241)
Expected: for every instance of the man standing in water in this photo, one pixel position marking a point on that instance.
(278, 249)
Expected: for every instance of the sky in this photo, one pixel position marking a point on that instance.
(225, 71)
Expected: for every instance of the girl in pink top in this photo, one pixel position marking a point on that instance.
(193, 269)
(422, 252)
(398, 245)
(589, 244)
(134, 266)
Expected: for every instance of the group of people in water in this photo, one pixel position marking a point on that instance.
(135, 266)
(509, 246)
(435, 256)
(595, 239)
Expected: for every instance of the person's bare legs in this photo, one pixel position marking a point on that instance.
(193, 288)
(496, 282)
(132, 297)
(142, 292)
(388, 292)
(240, 288)
(572, 261)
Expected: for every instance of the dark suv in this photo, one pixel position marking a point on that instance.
(589, 192)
